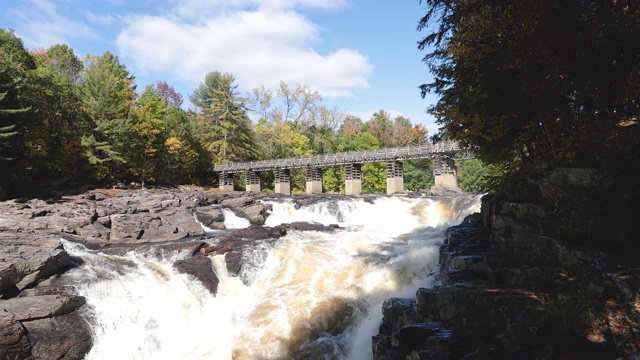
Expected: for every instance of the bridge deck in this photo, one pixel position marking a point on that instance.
(378, 155)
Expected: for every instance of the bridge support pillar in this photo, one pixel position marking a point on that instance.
(283, 181)
(353, 179)
(225, 182)
(253, 182)
(444, 173)
(395, 177)
(314, 180)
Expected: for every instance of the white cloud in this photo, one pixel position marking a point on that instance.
(259, 46)
(198, 9)
(41, 24)
(100, 19)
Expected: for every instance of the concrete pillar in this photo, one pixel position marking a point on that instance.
(253, 182)
(225, 182)
(283, 181)
(395, 177)
(353, 179)
(444, 173)
(314, 180)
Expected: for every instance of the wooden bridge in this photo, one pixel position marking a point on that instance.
(443, 153)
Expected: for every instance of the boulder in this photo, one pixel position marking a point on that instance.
(61, 337)
(210, 216)
(28, 258)
(247, 207)
(200, 267)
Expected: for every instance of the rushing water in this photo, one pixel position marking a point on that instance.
(314, 295)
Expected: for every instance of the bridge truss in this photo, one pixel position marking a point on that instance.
(450, 149)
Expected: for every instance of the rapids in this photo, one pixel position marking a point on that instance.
(311, 295)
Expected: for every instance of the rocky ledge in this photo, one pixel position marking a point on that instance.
(42, 317)
(509, 292)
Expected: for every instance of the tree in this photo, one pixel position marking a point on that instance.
(7, 132)
(169, 95)
(15, 62)
(107, 91)
(53, 136)
(149, 135)
(229, 129)
(535, 85)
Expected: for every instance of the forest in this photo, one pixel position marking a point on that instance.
(67, 122)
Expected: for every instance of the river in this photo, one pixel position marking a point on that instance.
(311, 295)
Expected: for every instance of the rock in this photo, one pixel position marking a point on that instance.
(45, 306)
(14, 343)
(28, 258)
(306, 226)
(209, 216)
(170, 224)
(247, 207)
(61, 337)
(199, 266)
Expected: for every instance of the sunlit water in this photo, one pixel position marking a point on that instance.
(315, 295)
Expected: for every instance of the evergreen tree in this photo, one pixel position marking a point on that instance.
(15, 62)
(229, 129)
(107, 91)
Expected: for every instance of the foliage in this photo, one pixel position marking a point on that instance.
(472, 175)
(15, 62)
(538, 84)
(107, 92)
(227, 125)
(69, 121)
(52, 150)
(418, 175)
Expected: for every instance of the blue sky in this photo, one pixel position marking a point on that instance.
(361, 55)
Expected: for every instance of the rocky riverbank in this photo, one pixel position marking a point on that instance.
(42, 317)
(509, 292)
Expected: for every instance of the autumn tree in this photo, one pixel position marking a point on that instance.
(53, 137)
(148, 136)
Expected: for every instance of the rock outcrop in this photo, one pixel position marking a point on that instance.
(508, 291)
(36, 324)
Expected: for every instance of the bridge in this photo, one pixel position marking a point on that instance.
(442, 153)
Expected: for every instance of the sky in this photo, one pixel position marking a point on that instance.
(361, 55)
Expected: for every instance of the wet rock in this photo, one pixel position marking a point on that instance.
(306, 226)
(210, 216)
(247, 207)
(199, 266)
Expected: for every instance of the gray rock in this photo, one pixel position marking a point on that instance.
(62, 337)
(199, 266)
(38, 307)
(14, 343)
(209, 215)
(248, 208)
(28, 258)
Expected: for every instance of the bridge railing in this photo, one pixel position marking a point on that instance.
(364, 156)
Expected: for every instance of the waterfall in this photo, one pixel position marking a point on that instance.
(315, 295)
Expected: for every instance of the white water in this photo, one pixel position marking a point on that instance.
(317, 295)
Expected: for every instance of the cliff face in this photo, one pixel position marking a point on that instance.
(509, 291)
